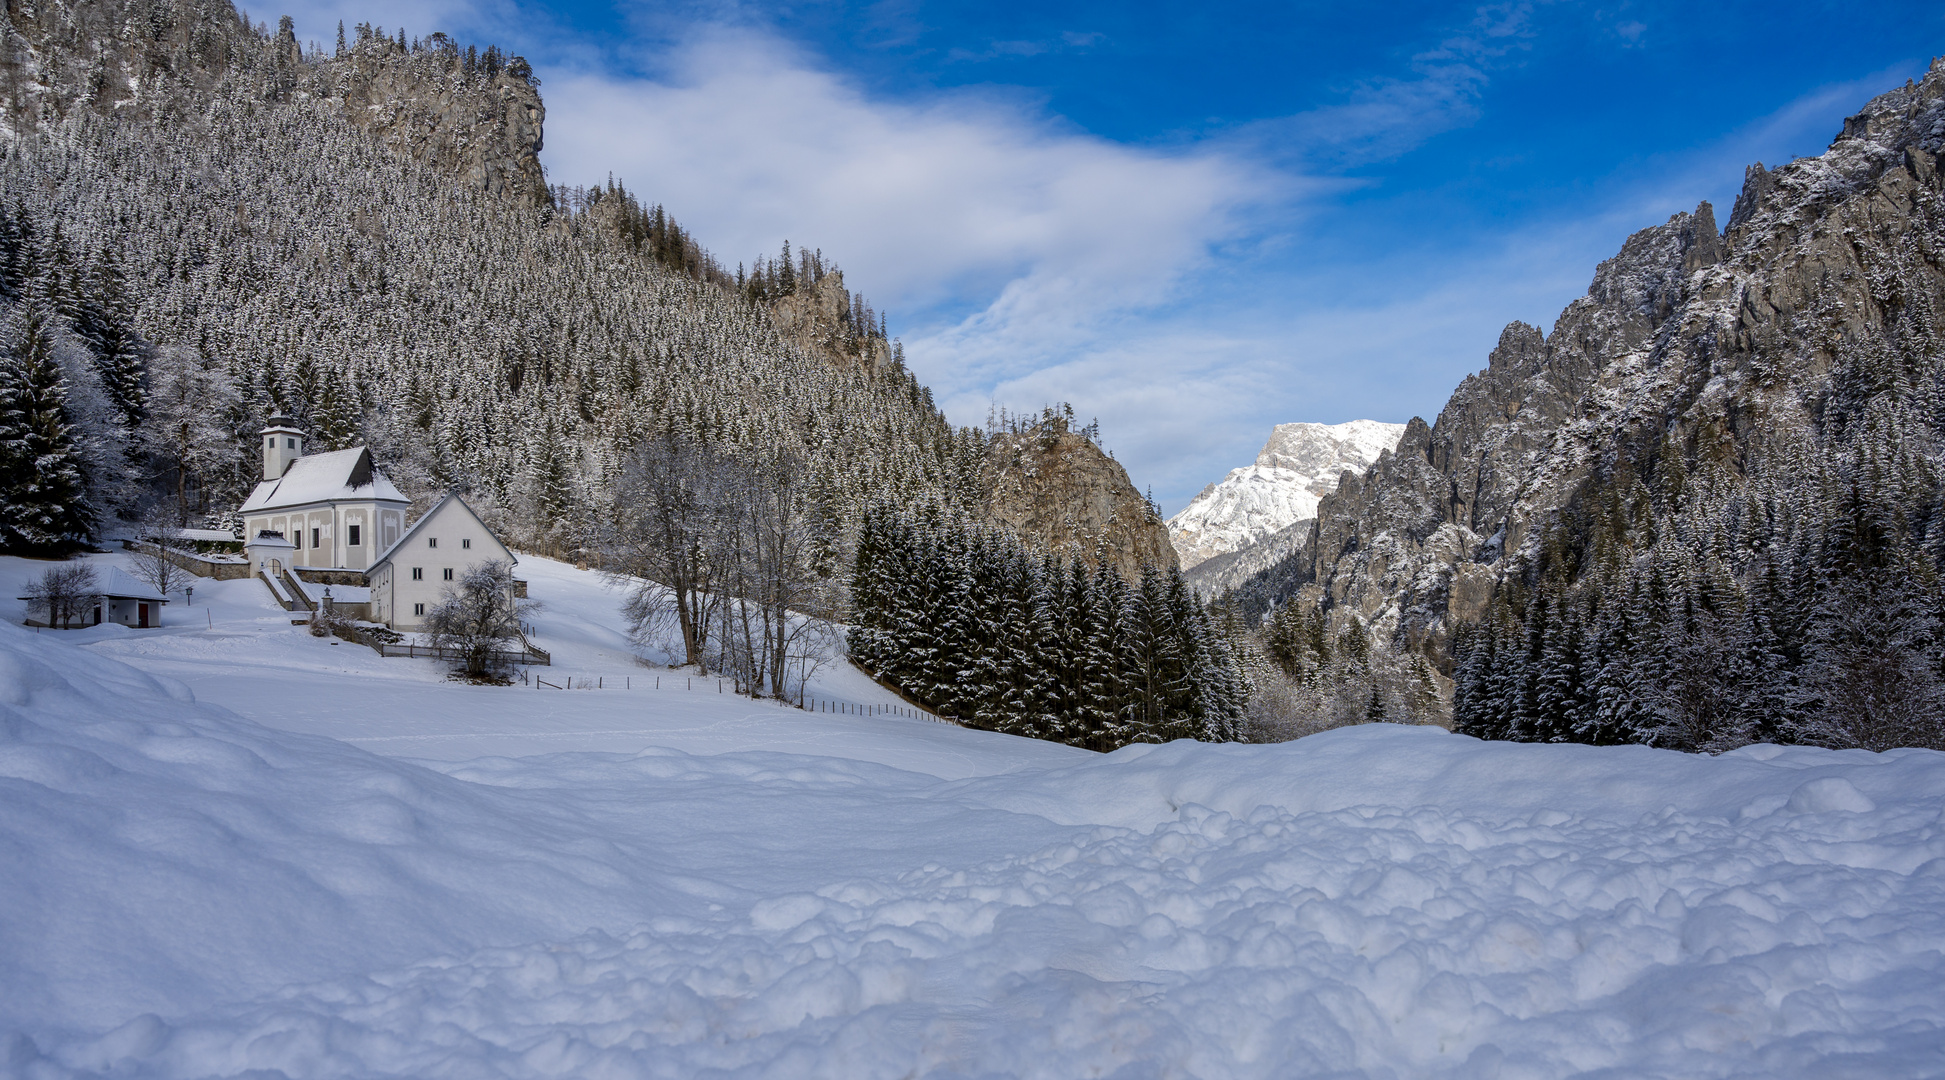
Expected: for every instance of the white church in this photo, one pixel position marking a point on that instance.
(335, 518)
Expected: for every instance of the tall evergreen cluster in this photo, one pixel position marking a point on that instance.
(1708, 595)
(966, 620)
(73, 388)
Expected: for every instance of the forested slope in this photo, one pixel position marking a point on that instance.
(1707, 507)
(360, 237)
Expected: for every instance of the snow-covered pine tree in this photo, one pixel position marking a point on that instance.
(43, 506)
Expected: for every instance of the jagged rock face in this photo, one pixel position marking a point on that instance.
(485, 134)
(141, 59)
(813, 320)
(1300, 464)
(1058, 490)
(1689, 346)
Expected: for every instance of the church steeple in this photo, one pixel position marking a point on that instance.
(283, 443)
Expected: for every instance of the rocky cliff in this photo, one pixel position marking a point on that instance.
(1057, 489)
(814, 319)
(482, 129)
(476, 121)
(1692, 350)
(1299, 464)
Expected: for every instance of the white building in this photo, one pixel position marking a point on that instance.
(433, 556)
(336, 510)
(116, 597)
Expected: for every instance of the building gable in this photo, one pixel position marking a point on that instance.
(454, 521)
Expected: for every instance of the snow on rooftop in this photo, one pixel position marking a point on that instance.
(316, 478)
(343, 594)
(114, 581)
(206, 535)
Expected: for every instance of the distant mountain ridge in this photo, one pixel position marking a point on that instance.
(1300, 464)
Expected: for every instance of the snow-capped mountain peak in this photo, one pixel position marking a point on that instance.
(1300, 464)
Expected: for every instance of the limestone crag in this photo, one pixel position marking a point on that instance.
(484, 133)
(1691, 349)
(1059, 491)
(813, 319)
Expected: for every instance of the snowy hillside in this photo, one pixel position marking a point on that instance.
(743, 890)
(1299, 465)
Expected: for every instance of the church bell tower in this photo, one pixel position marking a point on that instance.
(283, 443)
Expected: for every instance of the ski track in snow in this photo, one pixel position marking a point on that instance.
(188, 893)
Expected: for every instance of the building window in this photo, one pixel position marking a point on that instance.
(290, 444)
(431, 541)
(352, 539)
(418, 609)
(448, 573)
(418, 573)
(468, 543)
(314, 543)
(297, 538)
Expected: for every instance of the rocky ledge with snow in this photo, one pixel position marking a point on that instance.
(1298, 466)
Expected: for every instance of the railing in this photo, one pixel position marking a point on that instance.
(710, 684)
(277, 590)
(530, 655)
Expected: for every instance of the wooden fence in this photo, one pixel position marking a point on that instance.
(531, 655)
(710, 684)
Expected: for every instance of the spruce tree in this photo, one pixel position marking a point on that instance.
(43, 506)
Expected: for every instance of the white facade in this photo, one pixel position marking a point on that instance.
(118, 598)
(336, 509)
(433, 556)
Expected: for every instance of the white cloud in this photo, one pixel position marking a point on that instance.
(1021, 237)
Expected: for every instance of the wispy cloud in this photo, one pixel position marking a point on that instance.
(1020, 234)
(1382, 117)
(1066, 41)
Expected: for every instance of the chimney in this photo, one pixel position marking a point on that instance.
(283, 443)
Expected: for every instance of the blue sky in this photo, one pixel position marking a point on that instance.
(1193, 221)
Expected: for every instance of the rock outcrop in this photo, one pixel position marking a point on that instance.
(1690, 349)
(482, 130)
(478, 123)
(814, 320)
(1059, 491)
(1299, 464)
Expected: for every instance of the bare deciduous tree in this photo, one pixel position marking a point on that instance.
(780, 626)
(63, 593)
(189, 397)
(668, 504)
(480, 620)
(729, 554)
(155, 533)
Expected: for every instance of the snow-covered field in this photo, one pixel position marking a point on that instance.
(233, 849)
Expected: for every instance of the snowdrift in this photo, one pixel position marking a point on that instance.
(186, 893)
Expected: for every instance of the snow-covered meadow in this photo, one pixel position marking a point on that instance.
(230, 848)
